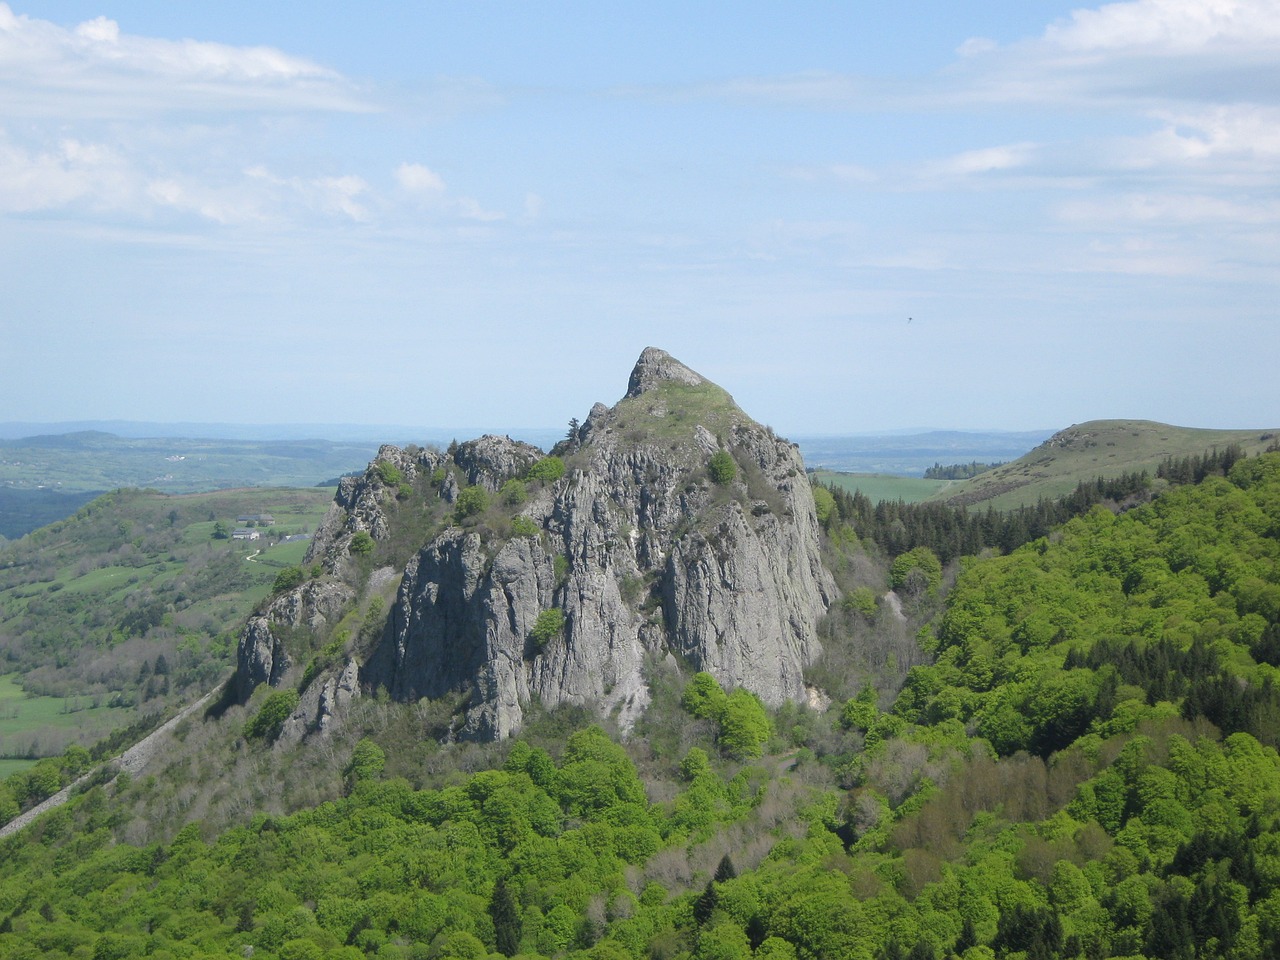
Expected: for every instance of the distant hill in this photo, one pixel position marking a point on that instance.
(46, 477)
(910, 454)
(1086, 451)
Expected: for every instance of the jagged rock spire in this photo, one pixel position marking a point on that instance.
(657, 366)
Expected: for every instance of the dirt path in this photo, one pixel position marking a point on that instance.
(133, 760)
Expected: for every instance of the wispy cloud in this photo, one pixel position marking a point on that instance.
(65, 173)
(427, 188)
(985, 160)
(95, 69)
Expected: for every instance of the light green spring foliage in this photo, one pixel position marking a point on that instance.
(1147, 835)
(919, 558)
(389, 473)
(471, 502)
(514, 492)
(361, 543)
(367, 761)
(744, 724)
(523, 526)
(547, 470)
(548, 626)
(824, 504)
(287, 579)
(268, 721)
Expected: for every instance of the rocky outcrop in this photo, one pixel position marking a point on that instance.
(314, 604)
(639, 550)
(490, 461)
(322, 703)
(656, 367)
(260, 657)
(360, 503)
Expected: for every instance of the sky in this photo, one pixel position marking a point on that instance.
(856, 217)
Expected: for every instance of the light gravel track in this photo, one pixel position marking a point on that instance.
(133, 760)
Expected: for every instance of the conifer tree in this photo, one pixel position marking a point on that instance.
(506, 919)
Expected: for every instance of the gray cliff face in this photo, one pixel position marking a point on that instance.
(260, 657)
(640, 551)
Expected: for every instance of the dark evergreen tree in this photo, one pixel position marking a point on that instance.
(505, 913)
(968, 937)
(725, 870)
(706, 903)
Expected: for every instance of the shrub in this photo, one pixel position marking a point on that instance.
(547, 470)
(922, 559)
(744, 725)
(514, 493)
(287, 579)
(269, 720)
(362, 543)
(389, 473)
(861, 600)
(704, 697)
(523, 527)
(825, 505)
(471, 501)
(547, 627)
(722, 467)
(367, 761)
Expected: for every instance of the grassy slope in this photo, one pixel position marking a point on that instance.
(1083, 452)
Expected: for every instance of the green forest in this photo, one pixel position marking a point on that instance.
(1078, 761)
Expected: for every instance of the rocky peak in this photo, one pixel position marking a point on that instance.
(657, 366)
(639, 550)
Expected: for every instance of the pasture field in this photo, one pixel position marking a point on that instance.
(879, 486)
(51, 721)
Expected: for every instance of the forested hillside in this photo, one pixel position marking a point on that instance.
(1082, 765)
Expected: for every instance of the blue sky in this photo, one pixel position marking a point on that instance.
(855, 217)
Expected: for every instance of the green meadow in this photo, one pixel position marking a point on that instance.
(879, 486)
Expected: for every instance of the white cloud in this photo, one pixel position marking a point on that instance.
(223, 205)
(1243, 134)
(58, 176)
(985, 160)
(339, 195)
(418, 179)
(469, 209)
(428, 188)
(47, 69)
(330, 195)
(1175, 26)
(976, 46)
